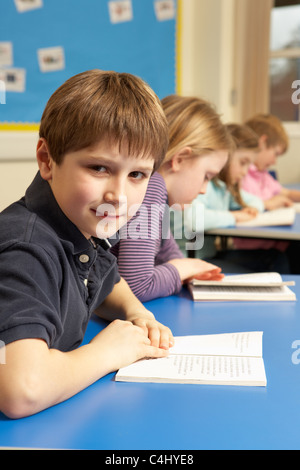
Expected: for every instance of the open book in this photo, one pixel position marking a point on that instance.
(276, 217)
(254, 287)
(224, 359)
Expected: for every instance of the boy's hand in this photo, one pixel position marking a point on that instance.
(121, 303)
(121, 343)
(159, 335)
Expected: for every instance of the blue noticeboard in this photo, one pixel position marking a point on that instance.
(89, 34)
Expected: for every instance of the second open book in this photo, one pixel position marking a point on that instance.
(223, 359)
(277, 217)
(246, 287)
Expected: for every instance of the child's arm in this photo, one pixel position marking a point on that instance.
(292, 194)
(218, 208)
(36, 377)
(146, 270)
(278, 201)
(123, 304)
(243, 215)
(209, 211)
(253, 206)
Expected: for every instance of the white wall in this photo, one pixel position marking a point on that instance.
(18, 165)
(288, 165)
(207, 52)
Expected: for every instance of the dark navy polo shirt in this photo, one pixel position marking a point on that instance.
(51, 277)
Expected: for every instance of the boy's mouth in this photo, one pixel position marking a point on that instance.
(107, 215)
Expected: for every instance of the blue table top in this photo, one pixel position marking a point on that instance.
(110, 415)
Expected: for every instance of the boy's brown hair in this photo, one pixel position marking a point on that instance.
(271, 126)
(96, 105)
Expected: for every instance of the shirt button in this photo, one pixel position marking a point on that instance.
(84, 258)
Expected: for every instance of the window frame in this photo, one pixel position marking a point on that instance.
(288, 53)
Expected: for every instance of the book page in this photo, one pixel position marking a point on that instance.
(221, 369)
(228, 290)
(241, 293)
(285, 216)
(197, 369)
(228, 344)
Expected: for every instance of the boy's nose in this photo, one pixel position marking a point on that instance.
(117, 200)
(115, 192)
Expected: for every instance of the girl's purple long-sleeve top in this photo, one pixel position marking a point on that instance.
(146, 245)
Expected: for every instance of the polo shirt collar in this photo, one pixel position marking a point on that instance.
(39, 199)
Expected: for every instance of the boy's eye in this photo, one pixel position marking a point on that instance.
(137, 175)
(99, 168)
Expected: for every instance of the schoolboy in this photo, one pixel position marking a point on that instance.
(101, 136)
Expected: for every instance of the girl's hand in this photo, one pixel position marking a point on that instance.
(251, 211)
(244, 215)
(213, 275)
(193, 268)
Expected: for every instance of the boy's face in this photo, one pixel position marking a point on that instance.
(267, 156)
(99, 189)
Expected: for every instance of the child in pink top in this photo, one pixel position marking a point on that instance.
(273, 142)
(262, 183)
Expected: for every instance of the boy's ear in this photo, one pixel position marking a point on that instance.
(179, 158)
(44, 159)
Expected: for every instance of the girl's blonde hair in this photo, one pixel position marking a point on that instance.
(96, 106)
(194, 123)
(243, 138)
